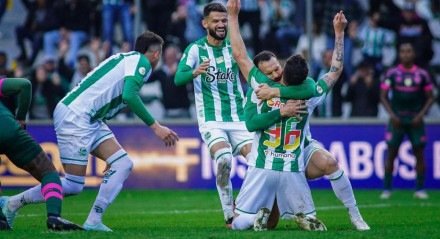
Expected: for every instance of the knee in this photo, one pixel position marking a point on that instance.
(72, 184)
(331, 165)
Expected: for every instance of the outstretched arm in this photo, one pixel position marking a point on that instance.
(131, 97)
(23, 89)
(339, 24)
(238, 48)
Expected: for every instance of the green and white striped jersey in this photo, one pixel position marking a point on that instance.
(280, 146)
(99, 94)
(218, 93)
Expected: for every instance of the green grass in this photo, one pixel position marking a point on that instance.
(196, 214)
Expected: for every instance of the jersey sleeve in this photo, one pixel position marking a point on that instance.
(130, 96)
(258, 121)
(427, 82)
(256, 77)
(20, 87)
(300, 92)
(387, 80)
(137, 68)
(187, 64)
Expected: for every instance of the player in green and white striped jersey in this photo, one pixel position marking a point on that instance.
(280, 140)
(208, 62)
(318, 162)
(79, 120)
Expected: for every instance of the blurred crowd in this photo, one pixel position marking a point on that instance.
(60, 41)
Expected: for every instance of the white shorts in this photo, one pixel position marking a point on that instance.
(308, 151)
(261, 187)
(76, 136)
(234, 133)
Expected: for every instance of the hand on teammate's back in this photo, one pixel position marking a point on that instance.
(264, 92)
(168, 136)
(294, 108)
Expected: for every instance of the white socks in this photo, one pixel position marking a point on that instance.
(72, 185)
(111, 185)
(243, 221)
(342, 187)
(223, 159)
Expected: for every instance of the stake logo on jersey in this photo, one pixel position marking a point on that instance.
(218, 93)
(213, 74)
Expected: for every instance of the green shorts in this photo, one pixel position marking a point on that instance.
(417, 135)
(16, 143)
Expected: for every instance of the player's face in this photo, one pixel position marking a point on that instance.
(271, 69)
(216, 23)
(406, 54)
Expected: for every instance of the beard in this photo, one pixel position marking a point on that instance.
(212, 33)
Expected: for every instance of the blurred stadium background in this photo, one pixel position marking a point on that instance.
(356, 138)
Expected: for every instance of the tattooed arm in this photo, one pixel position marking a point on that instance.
(339, 24)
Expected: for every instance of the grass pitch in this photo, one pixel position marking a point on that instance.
(196, 214)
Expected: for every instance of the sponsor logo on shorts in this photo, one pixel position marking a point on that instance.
(207, 135)
(82, 151)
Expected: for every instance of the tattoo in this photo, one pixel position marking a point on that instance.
(329, 80)
(339, 49)
(334, 69)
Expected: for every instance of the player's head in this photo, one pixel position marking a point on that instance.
(295, 70)
(268, 63)
(150, 44)
(406, 53)
(215, 20)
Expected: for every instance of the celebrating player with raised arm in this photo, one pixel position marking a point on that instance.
(25, 153)
(80, 127)
(208, 62)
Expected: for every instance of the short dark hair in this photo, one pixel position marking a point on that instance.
(263, 56)
(295, 70)
(83, 57)
(147, 40)
(213, 7)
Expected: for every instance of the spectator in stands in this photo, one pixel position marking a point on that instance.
(319, 42)
(282, 33)
(73, 17)
(4, 69)
(175, 99)
(332, 107)
(157, 15)
(72, 76)
(40, 19)
(46, 90)
(120, 10)
(250, 14)
(363, 91)
(373, 39)
(193, 26)
(415, 30)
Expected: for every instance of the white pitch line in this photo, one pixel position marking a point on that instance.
(200, 211)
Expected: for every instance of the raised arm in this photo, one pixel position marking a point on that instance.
(238, 48)
(22, 88)
(339, 24)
